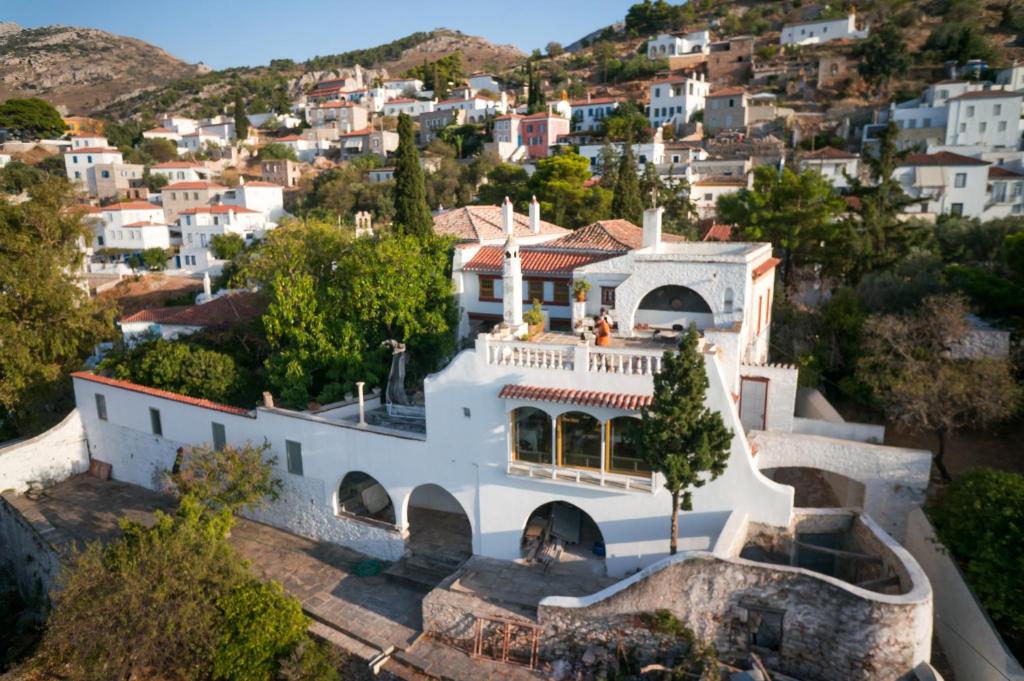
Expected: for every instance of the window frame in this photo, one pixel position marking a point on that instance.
(101, 407)
(156, 424)
(219, 443)
(293, 456)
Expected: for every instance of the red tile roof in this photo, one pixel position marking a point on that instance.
(288, 138)
(163, 394)
(178, 164)
(132, 205)
(198, 184)
(721, 180)
(595, 100)
(996, 171)
(216, 210)
(941, 158)
(588, 398)
(336, 105)
(828, 153)
(534, 261)
(718, 232)
(482, 223)
(401, 100)
(145, 224)
(728, 92)
(986, 94)
(260, 183)
(223, 311)
(764, 268)
(605, 235)
(93, 150)
(357, 133)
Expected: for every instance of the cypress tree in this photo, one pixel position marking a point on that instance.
(627, 202)
(678, 435)
(412, 214)
(241, 120)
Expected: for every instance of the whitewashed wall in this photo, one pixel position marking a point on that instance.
(49, 457)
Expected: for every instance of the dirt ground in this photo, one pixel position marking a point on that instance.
(153, 290)
(1000, 448)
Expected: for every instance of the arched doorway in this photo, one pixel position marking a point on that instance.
(564, 539)
(674, 306)
(439, 530)
(816, 488)
(359, 494)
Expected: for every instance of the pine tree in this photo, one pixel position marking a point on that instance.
(627, 202)
(679, 436)
(412, 214)
(241, 120)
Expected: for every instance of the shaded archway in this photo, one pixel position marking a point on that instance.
(440, 533)
(816, 488)
(565, 539)
(673, 306)
(360, 495)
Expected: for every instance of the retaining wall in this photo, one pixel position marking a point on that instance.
(46, 458)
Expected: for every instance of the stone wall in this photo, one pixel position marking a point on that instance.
(830, 630)
(46, 458)
(24, 551)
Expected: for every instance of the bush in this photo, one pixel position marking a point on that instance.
(180, 368)
(229, 478)
(226, 246)
(981, 520)
(261, 624)
(311, 661)
(276, 150)
(154, 258)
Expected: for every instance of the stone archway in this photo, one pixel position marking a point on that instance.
(672, 306)
(439, 529)
(634, 295)
(565, 539)
(360, 495)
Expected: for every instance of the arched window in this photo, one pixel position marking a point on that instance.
(531, 435)
(579, 437)
(623, 456)
(361, 495)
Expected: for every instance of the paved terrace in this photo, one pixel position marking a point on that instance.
(363, 615)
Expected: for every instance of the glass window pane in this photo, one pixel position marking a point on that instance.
(561, 293)
(101, 407)
(580, 439)
(219, 436)
(154, 421)
(535, 291)
(532, 433)
(294, 452)
(624, 455)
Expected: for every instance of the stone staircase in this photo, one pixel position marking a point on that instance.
(425, 569)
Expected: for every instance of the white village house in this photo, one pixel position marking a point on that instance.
(823, 31)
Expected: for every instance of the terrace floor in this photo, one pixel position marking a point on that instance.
(665, 340)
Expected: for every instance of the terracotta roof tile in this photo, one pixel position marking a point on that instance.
(94, 150)
(164, 394)
(178, 164)
(826, 153)
(718, 232)
(534, 261)
(996, 171)
(482, 223)
(728, 92)
(985, 94)
(764, 268)
(216, 210)
(941, 158)
(588, 398)
(132, 205)
(605, 235)
(223, 311)
(195, 185)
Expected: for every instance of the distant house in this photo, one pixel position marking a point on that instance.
(943, 183)
(822, 31)
(80, 163)
(726, 109)
(476, 108)
(283, 172)
(508, 139)
(675, 100)
(730, 62)
(588, 113)
(484, 81)
(131, 226)
(367, 141)
(705, 192)
(433, 122)
(344, 115)
(181, 171)
(668, 45)
(381, 174)
(540, 131)
(179, 196)
(222, 312)
(832, 164)
(305, 149)
(409, 106)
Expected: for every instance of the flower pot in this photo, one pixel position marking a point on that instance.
(533, 329)
(581, 297)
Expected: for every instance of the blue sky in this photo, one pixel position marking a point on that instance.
(225, 33)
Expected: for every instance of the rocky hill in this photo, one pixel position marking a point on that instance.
(478, 54)
(83, 69)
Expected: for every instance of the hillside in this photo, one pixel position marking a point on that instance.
(273, 86)
(83, 69)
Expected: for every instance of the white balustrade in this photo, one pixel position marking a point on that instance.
(580, 476)
(608, 361)
(530, 355)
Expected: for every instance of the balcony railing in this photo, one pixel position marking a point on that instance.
(530, 355)
(577, 357)
(581, 476)
(614, 361)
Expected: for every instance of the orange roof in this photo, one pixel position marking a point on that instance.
(595, 100)
(178, 164)
(605, 235)
(93, 150)
(717, 232)
(728, 92)
(764, 268)
(163, 394)
(986, 94)
(145, 224)
(288, 138)
(132, 205)
(336, 105)
(482, 223)
(401, 100)
(260, 183)
(826, 153)
(161, 129)
(217, 210)
(196, 184)
(941, 158)
(996, 171)
(589, 398)
(534, 260)
(356, 133)
(225, 310)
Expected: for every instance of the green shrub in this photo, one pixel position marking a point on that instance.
(981, 520)
(261, 625)
(311, 661)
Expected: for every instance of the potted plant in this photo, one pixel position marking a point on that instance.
(534, 318)
(580, 288)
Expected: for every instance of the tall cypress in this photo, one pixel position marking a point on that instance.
(412, 214)
(627, 202)
(241, 120)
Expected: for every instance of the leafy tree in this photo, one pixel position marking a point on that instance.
(241, 120)
(261, 625)
(1013, 252)
(232, 478)
(48, 323)
(17, 176)
(679, 436)
(560, 185)
(311, 661)
(907, 363)
(276, 150)
(154, 259)
(146, 605)
(627, 203)
(626, 122)
(181, 368)
(412, 214)
(226, 246)
(155, 182)
(797, 212)
(159, 150)
(680, 215)
(506, 179)
(650, 17)
(555, 49)
(33, 117)
(981, 520)
(883, 57)
(961, 42)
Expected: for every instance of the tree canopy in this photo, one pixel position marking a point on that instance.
(561, 185)
(627, 202)
(33, 117)
(412, 214)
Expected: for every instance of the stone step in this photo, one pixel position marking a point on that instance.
(336, 637)
(421, 570)
(318, 615)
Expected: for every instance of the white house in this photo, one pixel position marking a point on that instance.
(132, 225)
(706, 191)
(675, 100)
(195, 142)
(1005, 195)
(476, 108)
(400, 85)
(305, 149)
(643, 153)
(265, 198)
(4, 159)
(835, 165)
(199, 225)
(181, 171)
(823, 31)
(1012, 77)
(990, 119)
(944, 183)
(81, 161)
(408, 105)
(484, 81)
(587, 114)
(670, 45)
(174, 321)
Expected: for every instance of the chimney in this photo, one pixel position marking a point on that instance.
(652, 227)
(535, 216)
(512, 284)
(207, 292)
(507, 217)
(268, 399)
